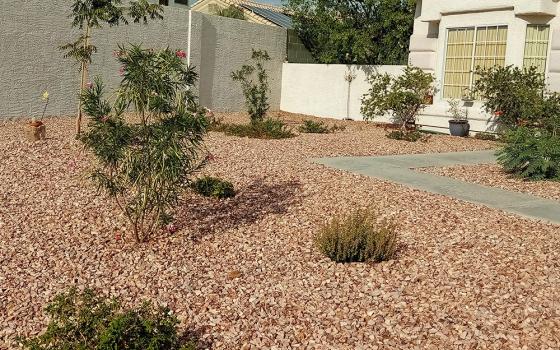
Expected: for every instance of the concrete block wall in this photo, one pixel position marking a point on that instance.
(30, 61)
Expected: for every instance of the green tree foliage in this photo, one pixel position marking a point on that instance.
(91, 14)
(403, 96)
(355, 32)
(254, 84)
(231, 12)
(86, 320)
(144, 164)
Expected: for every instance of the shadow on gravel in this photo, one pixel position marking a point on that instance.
(202, 216)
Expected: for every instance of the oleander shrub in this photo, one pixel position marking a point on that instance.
(144, 162)
(531, 154)
(213, 187)
(410, 136)
(85, 320)
(360, 237)
(266, 129)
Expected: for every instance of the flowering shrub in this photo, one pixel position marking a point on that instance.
(518, 97)
(144, 163)
(85, 320)
(254, 83)
(403, 96)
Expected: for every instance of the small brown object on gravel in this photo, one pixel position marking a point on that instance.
(35, 131)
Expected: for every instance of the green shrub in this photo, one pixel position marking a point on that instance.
(85, 320)
(486, 136)
(518, 97)
(313, 127)
(266, 129)
(410, 136)
(213, 187)
(531, 154)
(403, 96)
(143, 164)
(359, 237)
(254, 84)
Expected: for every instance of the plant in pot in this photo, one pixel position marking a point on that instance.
(35, 129)
(459, 124)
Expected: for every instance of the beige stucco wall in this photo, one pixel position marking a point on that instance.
(428, 42)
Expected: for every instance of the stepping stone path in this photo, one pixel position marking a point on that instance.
(400, 169)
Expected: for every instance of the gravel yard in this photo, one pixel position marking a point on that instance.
(492, 175)
(243, 272)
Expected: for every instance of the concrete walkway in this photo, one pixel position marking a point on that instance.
(400, 169)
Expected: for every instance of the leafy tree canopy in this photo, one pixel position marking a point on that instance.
(355, 31)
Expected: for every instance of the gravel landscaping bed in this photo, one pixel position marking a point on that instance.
(244, 273)
(493, 175)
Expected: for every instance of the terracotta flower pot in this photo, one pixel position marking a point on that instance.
(35, 131)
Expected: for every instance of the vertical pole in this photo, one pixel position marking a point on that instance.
(189, 39)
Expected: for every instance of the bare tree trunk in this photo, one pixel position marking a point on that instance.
(83, 83)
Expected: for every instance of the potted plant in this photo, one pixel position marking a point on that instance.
(35, 129)
(459, 124)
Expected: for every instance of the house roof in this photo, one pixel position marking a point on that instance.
(277, 17)
(269, 13)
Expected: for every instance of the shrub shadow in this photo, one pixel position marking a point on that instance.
(202, 215)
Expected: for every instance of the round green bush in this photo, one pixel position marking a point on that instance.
(213, 187)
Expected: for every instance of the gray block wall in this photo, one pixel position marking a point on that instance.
(30, 62)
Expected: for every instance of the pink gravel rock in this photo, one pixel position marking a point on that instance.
(244, 271)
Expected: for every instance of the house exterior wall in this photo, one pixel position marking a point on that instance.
(321, 89)
(435, 17)
(30, 61)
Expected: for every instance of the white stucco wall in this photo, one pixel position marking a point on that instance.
(321, 89)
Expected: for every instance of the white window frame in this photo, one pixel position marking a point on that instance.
(475, 27)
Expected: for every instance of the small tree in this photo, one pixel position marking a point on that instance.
(90, 14)
(144, 165)
(515, 96)
(403, 96)
(231, 11)
(254, 83)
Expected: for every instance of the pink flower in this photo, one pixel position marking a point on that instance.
(89, 85)
(121, 71)
(118, 236)
(171, 228)
(181, 54)
(104, 118)
(498, 113)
